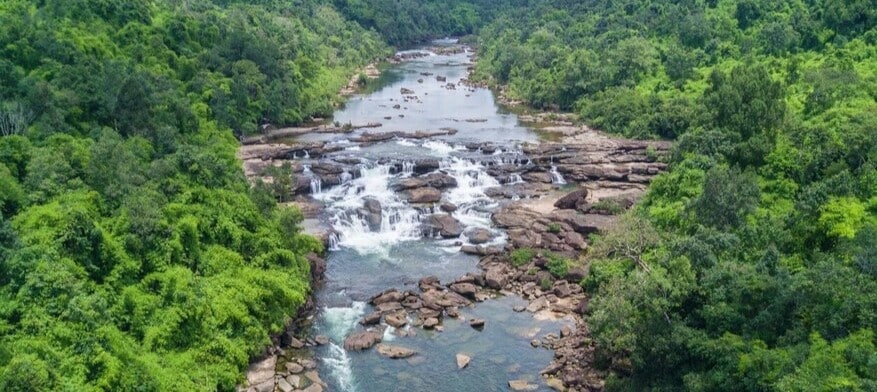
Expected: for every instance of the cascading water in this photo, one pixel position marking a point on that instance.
(316, 185)
(556, 177)
(339, 322)
(398, 222)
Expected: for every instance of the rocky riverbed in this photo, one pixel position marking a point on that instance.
(431, 206)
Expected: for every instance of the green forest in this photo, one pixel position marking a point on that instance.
(134, 255)
(757, 267)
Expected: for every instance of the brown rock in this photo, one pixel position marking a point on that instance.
(397, 320)
(394, 352)
(465, 289)
(423, 195)
(391, 295)
(476, 323)
(371, 319)
(362, 340)
(572, 199)
(522, 385)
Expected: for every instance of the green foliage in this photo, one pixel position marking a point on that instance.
(554, 227)
(133, 253)
(557, 265)
(522, 256)
(749, 265)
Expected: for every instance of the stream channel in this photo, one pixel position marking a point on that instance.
(391, 250)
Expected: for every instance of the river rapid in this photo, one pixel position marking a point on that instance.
(371, 252)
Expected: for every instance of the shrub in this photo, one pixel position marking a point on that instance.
(522, 256)
(554, 227)
(558, 265)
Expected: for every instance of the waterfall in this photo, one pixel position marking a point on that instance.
(316, 185)
(515, 178)
(556, 177)
(408, 168)
(469, 195)
(399, 221)
(307, 155)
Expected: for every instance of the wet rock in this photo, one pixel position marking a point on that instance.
(262, 371)
(397, 320)
(572, 200)
(463, 361)
(476, 323)
(447, 226)
(388, 307)
(321, 340)
(373, 213)
(412, 303)
(313, 388)
(423, 195)
(441, 78)
(448, 207)
(467, 290)
(394, 352)
(480, 236)
(536, 343)
(522, 385)
(308, 364)
(405, 91)
(391, 295)
(362, 340)
(423, 166)
(453, 312)
(371, 319)
(430, 323)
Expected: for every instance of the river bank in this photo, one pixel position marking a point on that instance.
(450, 189)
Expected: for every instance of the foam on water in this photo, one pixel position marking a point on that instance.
(339, 321)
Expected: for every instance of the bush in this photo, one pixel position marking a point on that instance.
(522, 256)
(553, 228)
(558, 265)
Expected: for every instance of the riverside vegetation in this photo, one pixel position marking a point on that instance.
(135, 256)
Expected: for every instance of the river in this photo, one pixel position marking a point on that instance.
(392, 251)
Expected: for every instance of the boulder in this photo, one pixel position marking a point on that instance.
(423, 195)
(284, 385)
(373, 213)
(495, 277)
(479, 236)
(514, 217)
(362, 340)
(397, 320)
(572, 200)
(448, 207)
(537, 305)
(318, 266)
(576, 274)
(264, 386)
(372, 318)
(481, 250)
(430, 323)
(463, 361)
(524, 238)
(467, 290)
(262, 371)
(321, 340)
(582, 223)
(394, 352)
(405, 91)
(447, 226)
(476, 323)
(391, 295)
(294, 368)
(541, 177)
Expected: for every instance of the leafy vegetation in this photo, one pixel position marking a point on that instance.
(750, 264)
(522, 256)
(133, 253)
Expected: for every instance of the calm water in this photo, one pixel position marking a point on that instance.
(369, 260)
